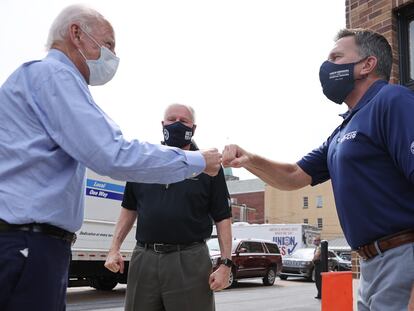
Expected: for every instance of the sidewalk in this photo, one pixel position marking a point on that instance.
(355, 284)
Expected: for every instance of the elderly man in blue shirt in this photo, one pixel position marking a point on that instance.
(369, 158)
(50, 130)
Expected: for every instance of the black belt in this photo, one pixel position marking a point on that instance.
(167, 248)
(369, 251)
(46, 229)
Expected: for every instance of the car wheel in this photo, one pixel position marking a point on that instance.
(232, 280)
(270, 277)
(311, 276)
(283, 277)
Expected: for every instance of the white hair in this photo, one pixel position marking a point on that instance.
(189, 108)
(85, 16)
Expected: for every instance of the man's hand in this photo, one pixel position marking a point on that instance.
(219, 279)
(114, 262)
(234, 156)
(213, 161)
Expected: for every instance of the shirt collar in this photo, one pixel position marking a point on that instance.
(62, 57)
(369, 94)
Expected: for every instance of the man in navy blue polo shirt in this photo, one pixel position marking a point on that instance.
(170, 268)
(370, 160)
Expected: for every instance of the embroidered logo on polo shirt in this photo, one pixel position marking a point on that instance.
(348, 136)
(412, 147)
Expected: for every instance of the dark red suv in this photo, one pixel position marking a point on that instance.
(251, 258)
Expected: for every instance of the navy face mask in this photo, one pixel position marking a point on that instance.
(177, 134)
(337, 80)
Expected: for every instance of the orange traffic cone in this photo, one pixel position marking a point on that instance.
(337, 291)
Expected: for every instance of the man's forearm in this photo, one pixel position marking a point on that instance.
(282, 176)
(123, 226)
(224, 237)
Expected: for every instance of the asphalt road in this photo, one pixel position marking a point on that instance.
(293, 294)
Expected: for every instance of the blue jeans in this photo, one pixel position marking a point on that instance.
(33, 272)
(386, 280)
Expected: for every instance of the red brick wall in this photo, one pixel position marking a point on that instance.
(379, 16)
(252, 200)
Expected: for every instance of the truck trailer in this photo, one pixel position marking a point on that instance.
(289, 237)
(103, 199)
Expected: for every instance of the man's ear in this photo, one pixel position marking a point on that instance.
(74, 34)
(369, 66)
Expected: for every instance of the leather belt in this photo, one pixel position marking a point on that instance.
(167, 248)
(369, 251)
(46, 229)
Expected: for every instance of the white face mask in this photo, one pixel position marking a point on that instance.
(103, 69)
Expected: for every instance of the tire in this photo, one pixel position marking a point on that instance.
(270, 277)
(103, 283)
(312, 277)
(232, 280)
(283, 277)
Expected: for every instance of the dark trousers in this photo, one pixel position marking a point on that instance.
(318, 277)
(176, 281)
(33, 272)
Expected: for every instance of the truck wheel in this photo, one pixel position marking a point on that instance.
(283, 277)
(270, 277)
(103, 283)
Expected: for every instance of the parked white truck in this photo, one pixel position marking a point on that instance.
(289, 237)
(102, 206)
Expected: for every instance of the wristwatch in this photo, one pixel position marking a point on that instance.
(227, 262)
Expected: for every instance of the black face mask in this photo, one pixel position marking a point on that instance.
(177, 134)
(337, 80)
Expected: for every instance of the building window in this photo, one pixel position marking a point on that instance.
(305, 202)
(406, 45)
(305, 221)
(320, 223)
(319, 201)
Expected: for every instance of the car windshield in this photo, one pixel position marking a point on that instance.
(303, 253)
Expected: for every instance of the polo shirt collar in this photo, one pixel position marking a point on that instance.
(369, 94)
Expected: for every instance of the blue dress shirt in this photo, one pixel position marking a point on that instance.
(51, 129)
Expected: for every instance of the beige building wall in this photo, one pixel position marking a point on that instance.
(288, 207)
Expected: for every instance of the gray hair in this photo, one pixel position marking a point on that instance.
(189, 108)
(371, 43)
(86, 17)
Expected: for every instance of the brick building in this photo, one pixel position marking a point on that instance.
(394, 20)
(247, 200)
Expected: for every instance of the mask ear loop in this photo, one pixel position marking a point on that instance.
(90, 37)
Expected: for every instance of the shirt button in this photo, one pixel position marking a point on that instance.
(194, 174)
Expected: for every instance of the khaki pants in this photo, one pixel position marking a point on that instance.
(176, 281)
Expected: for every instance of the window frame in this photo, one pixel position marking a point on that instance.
(305, 198)
(317, 223)
(319, 199)
(404, 17)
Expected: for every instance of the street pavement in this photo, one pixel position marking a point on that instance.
(248, 295)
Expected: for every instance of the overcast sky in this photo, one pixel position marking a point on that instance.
(248, 67)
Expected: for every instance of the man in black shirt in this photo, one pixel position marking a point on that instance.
(170, 268)
(317, 266)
